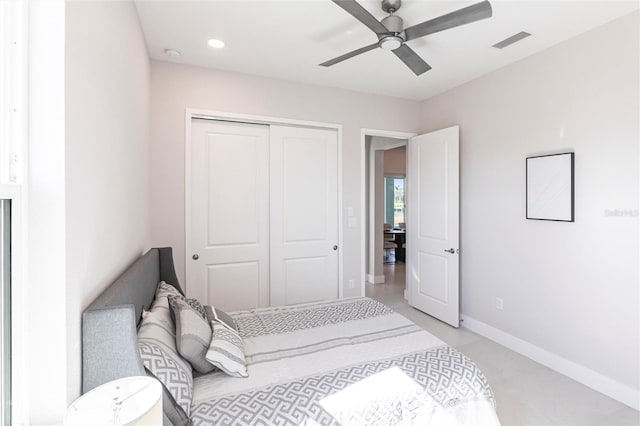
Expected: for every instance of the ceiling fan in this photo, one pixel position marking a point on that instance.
(393, 36)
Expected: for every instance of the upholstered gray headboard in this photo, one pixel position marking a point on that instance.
(109, 335)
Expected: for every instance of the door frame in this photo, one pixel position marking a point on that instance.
(364, 132)
(191, 113)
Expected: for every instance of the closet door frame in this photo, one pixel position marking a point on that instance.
(192, 113)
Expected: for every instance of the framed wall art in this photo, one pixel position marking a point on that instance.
(550, 187)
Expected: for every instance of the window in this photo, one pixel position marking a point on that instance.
(394, 201)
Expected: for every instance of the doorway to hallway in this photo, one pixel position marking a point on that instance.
(384, 173)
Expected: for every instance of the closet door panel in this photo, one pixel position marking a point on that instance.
(228, 257)
(234, 286)
(304, 214)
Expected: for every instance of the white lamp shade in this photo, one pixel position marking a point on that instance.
(133, 400)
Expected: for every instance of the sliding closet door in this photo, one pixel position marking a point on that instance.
(228, 265)
(304, 214)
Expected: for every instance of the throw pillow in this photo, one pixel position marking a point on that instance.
(171, 409)
(194, 303)
(193, 334)
(226, 350)
(162, 292)
(215, 314)
(157, 347)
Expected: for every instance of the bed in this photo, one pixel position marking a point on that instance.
(343, 362)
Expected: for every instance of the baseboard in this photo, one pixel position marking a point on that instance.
(597, 381)
(375, 279)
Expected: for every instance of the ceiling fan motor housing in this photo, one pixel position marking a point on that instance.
(393, 23)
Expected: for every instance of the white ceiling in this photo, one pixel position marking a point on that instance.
(288, 39)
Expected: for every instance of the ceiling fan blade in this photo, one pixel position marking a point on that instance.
(361, 14)
(411, 59)
(462, 16)
(349, 55)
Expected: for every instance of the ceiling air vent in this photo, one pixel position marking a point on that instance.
(513, 39)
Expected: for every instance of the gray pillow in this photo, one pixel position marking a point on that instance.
(194, 303)
(215, 314)
(193, 334)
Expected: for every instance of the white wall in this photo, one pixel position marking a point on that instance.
(177, 87)
(568, 288)
(45, 313)
(107, 143)
(101, 207)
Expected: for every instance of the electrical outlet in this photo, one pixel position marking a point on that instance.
(351, 284)
(499, 303)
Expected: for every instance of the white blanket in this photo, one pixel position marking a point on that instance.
(348, 362)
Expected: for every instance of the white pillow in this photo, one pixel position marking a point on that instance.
(226, 350)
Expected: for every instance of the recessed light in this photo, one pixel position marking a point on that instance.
(215, 43)
(172, 53)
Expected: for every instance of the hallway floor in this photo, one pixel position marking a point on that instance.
(527, 393)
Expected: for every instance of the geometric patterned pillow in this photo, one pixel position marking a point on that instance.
(226, 350)
(193, 334)
(193, 303)
(157, 347)
(170, 408)
(170, 370)
(162, 292)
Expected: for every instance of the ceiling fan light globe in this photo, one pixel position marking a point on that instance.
(391, 43)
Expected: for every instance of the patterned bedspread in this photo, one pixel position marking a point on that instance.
(347, 362)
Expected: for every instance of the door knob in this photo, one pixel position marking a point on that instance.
(335, 247)
(195, 257)
(450, 251)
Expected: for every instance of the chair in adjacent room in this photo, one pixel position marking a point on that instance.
(389, 245)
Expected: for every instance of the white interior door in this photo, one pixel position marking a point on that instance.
(228, 255)
(304, 214)
(433, 217)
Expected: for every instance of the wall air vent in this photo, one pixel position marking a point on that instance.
(513, 39)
